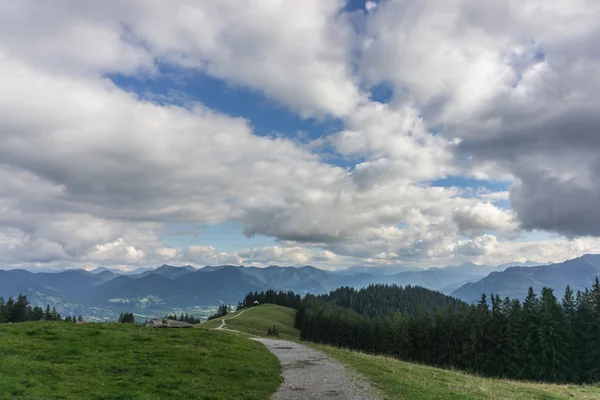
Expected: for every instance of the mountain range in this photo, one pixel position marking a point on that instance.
(514, 281)
(103, 292)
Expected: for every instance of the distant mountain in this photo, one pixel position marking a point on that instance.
(104, 292)
(168, 271)
(514, 282)
(376, 271)
(105, 276)
(502, 267)
(137, 271)
(99, 270)
(445, 279)
(302, 279)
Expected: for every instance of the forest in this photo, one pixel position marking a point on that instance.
(280, 298)
(20, 310)
(542, 338)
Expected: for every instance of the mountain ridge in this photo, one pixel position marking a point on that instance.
(162, 289)
(514, 282)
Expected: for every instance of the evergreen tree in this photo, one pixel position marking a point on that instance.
(593, 357)
(54, 314)
(531, 365)
(552, 335)
(2, 310)
(48, 313)
(568, 368)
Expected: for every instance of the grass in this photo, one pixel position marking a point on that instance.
(57, 360)
(257, 320)
(401, 380)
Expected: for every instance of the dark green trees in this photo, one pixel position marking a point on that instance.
(20, 310)
(222, 311)
(286, 299)
(126, 318)
(541, 339)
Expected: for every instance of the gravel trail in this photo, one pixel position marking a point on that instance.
(310, 375)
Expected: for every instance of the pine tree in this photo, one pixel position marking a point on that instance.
(593, 357)
(568, 367)
(531, 365)
(2, 310)
(583, 333)
(54, 314)
(552, 336)
(48, 313)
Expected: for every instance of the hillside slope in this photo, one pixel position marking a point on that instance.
(257, 320)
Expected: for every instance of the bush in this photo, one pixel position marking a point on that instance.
(272, 331)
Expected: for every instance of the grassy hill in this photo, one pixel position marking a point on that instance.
(257, 320)
(396, 379)
(51, 360)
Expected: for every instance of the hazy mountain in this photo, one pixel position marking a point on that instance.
(168, 271)
(104, 276)
(137, 271)
(98, 270)
(579, 273)
(302, 279)
(104, 292)
(502, 267)
(376, 271)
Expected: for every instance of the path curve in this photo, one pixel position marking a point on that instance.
(222, 326)
(310, 375)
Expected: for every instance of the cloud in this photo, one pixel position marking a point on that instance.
(503, 91)
(208, 255)
(517, 83)
(481, 217)
(297, 53)
(370, 5)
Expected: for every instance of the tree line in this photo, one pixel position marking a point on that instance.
(381, 300)
(542, 338)
(127, 318)
(280, 298)
(222, 311)
(20, 310)
(190, 319)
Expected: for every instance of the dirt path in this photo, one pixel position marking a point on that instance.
(222, 326)
(310, 375)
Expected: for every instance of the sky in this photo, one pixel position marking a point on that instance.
(331, 133)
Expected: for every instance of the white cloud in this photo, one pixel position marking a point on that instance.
(481, 217)
(517, 82)
(370, 5)
(297, 53)
(502, 90)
